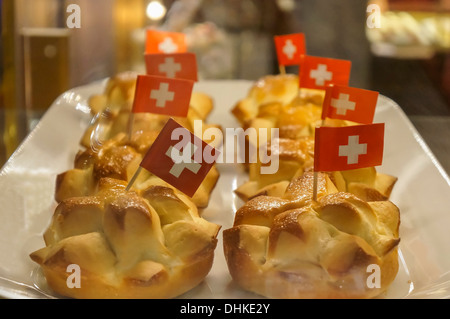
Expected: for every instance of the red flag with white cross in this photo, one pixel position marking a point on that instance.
(349, 147)
(173, 65)
(161, 95)
(319, 73)
(348, 103)
(290, 48)
(165, 42)
(180, 158)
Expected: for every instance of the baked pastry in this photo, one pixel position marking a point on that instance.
(146, 242)
(293, 247)
(270, 89)
(295, 157)
(283, 244)
(119, 158)
(111, 110)
(128, 244)
(114, 148)
(275, 102)
(365, 183)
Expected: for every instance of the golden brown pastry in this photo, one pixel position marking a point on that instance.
(137, 244)
(275, 102)
(293, 247)
(269, 89)
(148, 242)
(118, 158)
(295, 157)
(114, 148)
(285, 245)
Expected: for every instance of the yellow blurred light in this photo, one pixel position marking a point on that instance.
(156, 10)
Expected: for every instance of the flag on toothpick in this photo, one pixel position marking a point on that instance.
(165, 42)
(350, 147)
(180, 158)
(161, 95)
(348, 103)
(290, 48)
(172, 65)
(318, 72)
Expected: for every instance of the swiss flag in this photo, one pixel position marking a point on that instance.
(350, 147)
(180, 158)
(318, 73)
(173, 65)
(161, 95)
(290, 48)
(348, 103)
(165, 42)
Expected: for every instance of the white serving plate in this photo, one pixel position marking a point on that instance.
(27, 183)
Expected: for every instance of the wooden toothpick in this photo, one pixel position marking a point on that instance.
(133, 179)
(316, 175)
(315, 181)
(130, 125)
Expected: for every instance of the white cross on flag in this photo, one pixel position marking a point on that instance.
(173, 65)
(161, 95)
(165, 42)
(318, 72)
(348, 103)
(180, 158)
(290, 48)
(349, 147)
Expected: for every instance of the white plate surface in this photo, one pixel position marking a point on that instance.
(27, 184)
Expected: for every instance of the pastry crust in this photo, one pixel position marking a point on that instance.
(283, 244)
(146, 242)
(110, 149)
(136, 244)
(293, 247)
(275, 101)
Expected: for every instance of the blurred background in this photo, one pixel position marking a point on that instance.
(404, 53)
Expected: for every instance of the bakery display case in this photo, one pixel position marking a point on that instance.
(311, 161)
(416, 30)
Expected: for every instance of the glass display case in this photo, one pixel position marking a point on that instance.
(411, 29)
(56, 57)
(231, 40)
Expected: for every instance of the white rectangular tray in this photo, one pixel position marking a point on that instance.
(27, 184)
